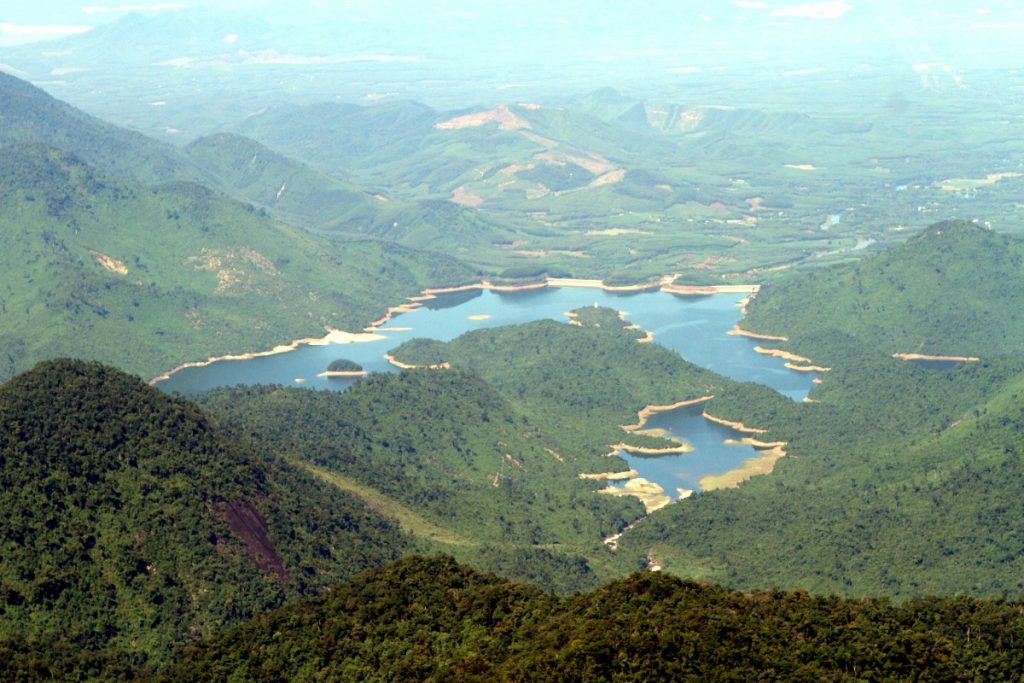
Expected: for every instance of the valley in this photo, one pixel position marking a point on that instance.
(407, 342)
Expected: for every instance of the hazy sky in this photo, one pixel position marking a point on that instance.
(921, 30)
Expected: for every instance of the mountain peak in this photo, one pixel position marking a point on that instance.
(954, 229)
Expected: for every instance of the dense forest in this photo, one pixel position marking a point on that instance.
(480, 475)
(580, 382)
(902, 475)
(132, 522)
(431, 619)
(953, 289)
(146, 278)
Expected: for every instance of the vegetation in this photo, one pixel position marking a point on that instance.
(32, 117)
(603, 317)
(954, 289)
(344, 365)
(135, 525)
(483, 476)
(578, 383)
(149, 278)
(133, 522)
(430, 619)
(901, 478)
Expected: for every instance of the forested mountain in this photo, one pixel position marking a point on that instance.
(580, 383)
(238, 167)
(30, 115)
(132, 523)
(430, 619)
(902, 475)
(287, 187)
(147, 278)
(484, 480)
(954, 289)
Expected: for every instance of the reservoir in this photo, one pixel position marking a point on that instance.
(694, 327)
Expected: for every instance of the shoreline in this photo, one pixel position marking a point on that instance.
(681, 449)
(333, 336)
(924, 356)
(650, 494)
(806, 368)
(648, 411)
(738, 331)
(738, 426)
(370, 332)
(752, 467)
(343, 373)
(610, 476)
(779, 353)
(708, 290)
(768, 454)
(410, 366)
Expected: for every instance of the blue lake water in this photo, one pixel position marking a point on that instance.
(695, 327)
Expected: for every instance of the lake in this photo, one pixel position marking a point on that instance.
(695, 327)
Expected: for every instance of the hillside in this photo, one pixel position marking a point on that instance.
(954, 289)
(296, 192)
(133, 523)
(443, 443)
(430, 619)
(148, 278)
(290, 189)
(30, 115)
(578, 382)
(902, 478)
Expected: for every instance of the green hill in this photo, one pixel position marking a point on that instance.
(578, 382)
(246, 170)
(337, 136)
(132, 523)
(430, 619)
(148, 278)
(449, 447)
(299, 193)
(30, 115)
(284, 186)
(902, 478)
(954, 289)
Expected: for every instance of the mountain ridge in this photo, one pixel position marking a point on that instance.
(133, 522)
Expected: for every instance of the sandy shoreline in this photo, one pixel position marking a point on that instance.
(610, 476)
(646, 412)
(410, 366)
(343, 373)
(599, 284)
(650, 494)
(738, 331)
(738, 426)
(333, 336)
(779, 353)
(369, 333)
(806, 368)
(923, 356)
(769, 453)
(762, 464)
(705, 290)
(644, 450)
